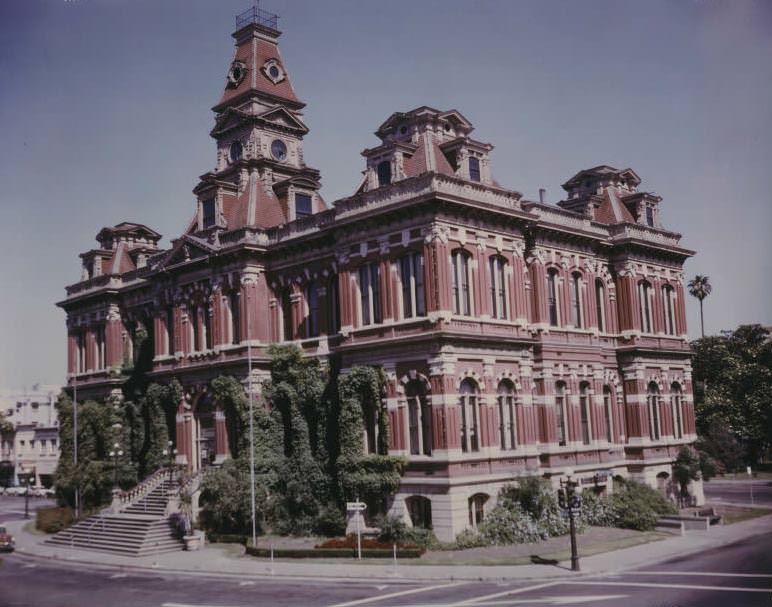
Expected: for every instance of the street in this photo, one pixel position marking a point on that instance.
(12, 507)
(739, 492)
(739, 574)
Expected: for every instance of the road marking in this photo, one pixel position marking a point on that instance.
(383, 587)
(681, 586)
(188, 605)
(246, 583)
(706, 573)
(382, 597)
(117, 576)
(30, 566)
(479, 599)
(550, 600)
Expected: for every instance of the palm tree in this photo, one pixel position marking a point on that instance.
(699, 287)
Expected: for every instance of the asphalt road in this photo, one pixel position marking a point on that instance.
(739, 492)
(12, 507)
(736, 575)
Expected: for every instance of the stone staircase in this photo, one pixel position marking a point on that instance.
(137, 524)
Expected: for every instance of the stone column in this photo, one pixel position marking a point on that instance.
(72, 352)
(347, 310)
(680, 309)
(184, 435)
(437, 280)
(657, 310)
(159, 334)
(590, 302)
(298, 312)
(90, 349)
(249, 302)
(636, 408)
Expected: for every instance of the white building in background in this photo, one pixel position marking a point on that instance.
(33, 444)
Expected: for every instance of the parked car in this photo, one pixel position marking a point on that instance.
(7, 543)
(15, 490)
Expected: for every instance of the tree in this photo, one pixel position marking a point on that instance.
(700, 287)
(686, 468)
(732, 375)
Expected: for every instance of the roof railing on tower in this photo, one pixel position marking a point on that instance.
(258, 16)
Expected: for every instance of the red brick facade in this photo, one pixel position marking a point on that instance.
(518, 337)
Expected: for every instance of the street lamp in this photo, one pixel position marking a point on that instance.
(27, 473)
(171, 453)
(115, 454)
(570, 500)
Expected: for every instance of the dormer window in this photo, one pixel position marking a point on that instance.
(650, 217)
(207, 213)
(474, 168)
(302, 205)
(384, 173)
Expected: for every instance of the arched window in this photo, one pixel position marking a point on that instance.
(312, 310)
(576, 300)
(507, 415)
(468, 400)
(497, 267)
(419, 418)
(384, 172)
(411, 272)
(207, 318)
(477, 509)
(370, 292)
(195, 329)
(676, 402)
(668, 299)
(560, 412)
(652, 401)
(170, 346)
(644, 295)
(552, 297)
(420, 510)
(333, 312)
(608, 413)
(584, 412)
(461, 281)
(600, 304)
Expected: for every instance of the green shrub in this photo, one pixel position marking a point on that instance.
(392, 528)
(598, 510)
(509, 524)
(331, 521)
(469, 538)
(52, 520)
(395, 531)
(638, 506)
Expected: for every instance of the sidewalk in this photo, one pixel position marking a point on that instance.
(226, 562)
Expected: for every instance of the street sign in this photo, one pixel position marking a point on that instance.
(356, 506)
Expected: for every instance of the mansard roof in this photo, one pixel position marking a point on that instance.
(126, 228)
(602, 171)
(427, 113)
(255, 47)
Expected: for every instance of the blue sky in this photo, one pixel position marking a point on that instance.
(105, 115)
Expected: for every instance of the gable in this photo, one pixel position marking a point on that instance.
(281, 117)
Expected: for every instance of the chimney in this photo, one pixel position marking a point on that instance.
(542, 192)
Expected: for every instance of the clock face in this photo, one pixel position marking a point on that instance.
(278, 150)
(236, 73)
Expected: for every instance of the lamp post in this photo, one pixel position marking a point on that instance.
(27, 474)
(115, 453)
(569, 500)
(251, 423)
(171, 453)
(75, 436)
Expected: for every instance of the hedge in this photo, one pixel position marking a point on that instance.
(53, 520)
(226, 538)
(323, 553)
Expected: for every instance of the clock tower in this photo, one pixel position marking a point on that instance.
(260, 178)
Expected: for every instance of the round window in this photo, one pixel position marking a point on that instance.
(236, 151)
(278, 149)
(274, 72)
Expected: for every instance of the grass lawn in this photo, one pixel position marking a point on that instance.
(735, 514)
(742, 476)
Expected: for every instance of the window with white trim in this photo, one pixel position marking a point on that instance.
(608, 413)
(576, 300)
(497, 268)
(470, 415)
(460, 263)
(552, 297)
(600, 304)
(644, 297)
(560, 412)
(676, 402)
(477, 509)
(312, 310)
(668, 297)
(411, 272)
(653, 401)
(370, 293)
(419, 418)
(584, 412)
(507, 415)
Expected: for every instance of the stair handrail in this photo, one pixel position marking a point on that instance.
(140, 490)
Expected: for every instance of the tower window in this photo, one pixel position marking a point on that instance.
(650, 216)
(236, 151)
(207, 212)
(412, 275)
(600, 300)
(474, 168)
(552, 297)
(576, 300)
(644, 294)
(460, 265)
(497, 267)
(303, 205)
(384, 173)
(370, 293)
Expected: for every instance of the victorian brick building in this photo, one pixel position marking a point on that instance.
(517, 337)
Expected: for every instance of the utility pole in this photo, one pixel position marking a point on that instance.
(75, 437)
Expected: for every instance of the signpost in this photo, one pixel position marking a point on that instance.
(750, 481)
(358, 509)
